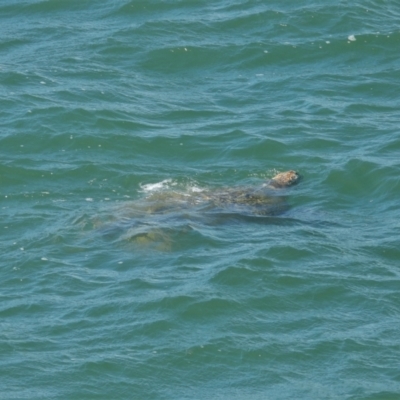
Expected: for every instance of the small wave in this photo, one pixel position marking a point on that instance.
(167, 184)
(196, 189)
(152, 187)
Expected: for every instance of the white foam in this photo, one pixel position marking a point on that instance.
(352, 38)
(196, 189)
(150, 187)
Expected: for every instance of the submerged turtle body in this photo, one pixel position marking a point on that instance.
(155, 219)
(263, 200)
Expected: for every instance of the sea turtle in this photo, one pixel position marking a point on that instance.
(147, 221)
(261, 200)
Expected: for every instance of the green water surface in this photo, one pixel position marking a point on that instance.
(103, 104)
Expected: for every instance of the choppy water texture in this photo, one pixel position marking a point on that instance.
(106, 104)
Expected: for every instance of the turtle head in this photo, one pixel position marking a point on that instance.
(285, 179)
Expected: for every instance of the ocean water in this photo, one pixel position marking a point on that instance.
(106, 293)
